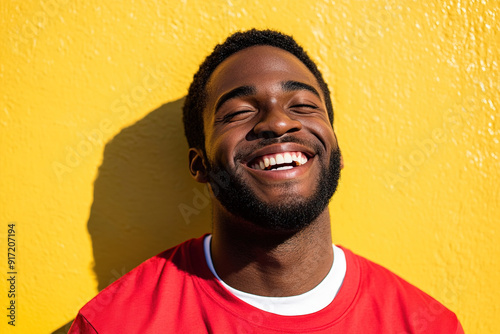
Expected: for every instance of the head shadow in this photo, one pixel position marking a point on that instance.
(145, 200)
(144, 195)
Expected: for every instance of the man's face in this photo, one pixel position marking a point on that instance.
(266, 126)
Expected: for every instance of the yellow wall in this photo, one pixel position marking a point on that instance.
(93, 163)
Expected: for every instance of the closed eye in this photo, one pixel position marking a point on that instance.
(234, 116)
(304, 106)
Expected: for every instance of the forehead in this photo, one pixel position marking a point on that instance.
(258, 66)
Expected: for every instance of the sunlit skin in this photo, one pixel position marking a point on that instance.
(265, 92)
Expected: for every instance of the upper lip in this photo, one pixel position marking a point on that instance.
(279, 148)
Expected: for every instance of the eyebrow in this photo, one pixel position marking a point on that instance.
(237, 92)
(290, 86)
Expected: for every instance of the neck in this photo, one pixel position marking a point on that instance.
(270, 263)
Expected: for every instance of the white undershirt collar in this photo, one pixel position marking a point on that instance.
(309, 302)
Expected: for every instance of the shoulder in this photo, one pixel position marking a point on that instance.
(144, 284)
(374, 278)
(386, 293)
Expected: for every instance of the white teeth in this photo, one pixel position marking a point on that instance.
(295, 158)
(283, 168)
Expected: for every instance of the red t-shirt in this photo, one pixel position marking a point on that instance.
(175, 292)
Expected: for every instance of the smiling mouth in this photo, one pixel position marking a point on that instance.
(278, 161)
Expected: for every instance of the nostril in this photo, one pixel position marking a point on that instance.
(274, 124)
(266, 135)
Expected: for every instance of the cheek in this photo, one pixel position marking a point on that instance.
(220, 149)
(215, 143)
(324, 132)
(224, 144)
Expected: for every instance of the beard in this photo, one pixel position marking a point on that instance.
(291, 213)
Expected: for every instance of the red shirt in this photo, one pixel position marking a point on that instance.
(175, 292)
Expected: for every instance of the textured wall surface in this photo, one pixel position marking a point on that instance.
(93, 162)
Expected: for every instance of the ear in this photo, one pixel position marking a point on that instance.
(197, 166)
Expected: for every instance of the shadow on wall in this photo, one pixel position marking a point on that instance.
(145, 200)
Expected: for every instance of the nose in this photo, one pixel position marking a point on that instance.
(275, 122)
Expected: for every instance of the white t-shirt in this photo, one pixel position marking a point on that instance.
(306, 303)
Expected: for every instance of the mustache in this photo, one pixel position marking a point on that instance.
(269, 141)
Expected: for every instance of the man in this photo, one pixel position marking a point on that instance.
(259, 122)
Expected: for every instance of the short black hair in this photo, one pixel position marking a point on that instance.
(196, 99)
